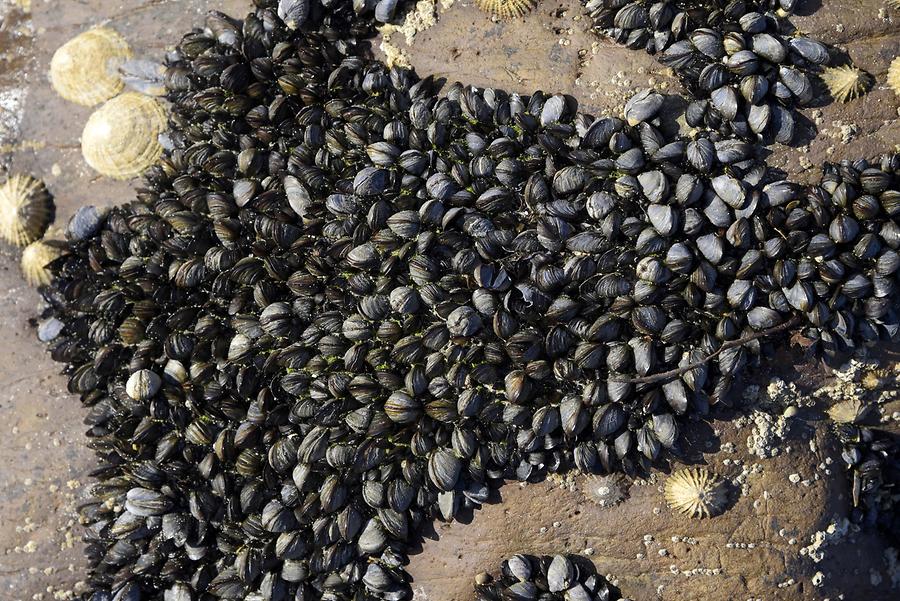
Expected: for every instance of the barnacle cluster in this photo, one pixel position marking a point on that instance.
(557, 578)
(740, 60)
(346, 302)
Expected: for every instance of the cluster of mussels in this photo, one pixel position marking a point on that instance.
(344, 305)
(745, 72)
(872, 460)
(320, 15)
(557, 578)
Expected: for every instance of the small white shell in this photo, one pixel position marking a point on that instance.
(35, 259)
(120, 139)
(26, 209)
(84, 69)
(696, 492)
(846, 82)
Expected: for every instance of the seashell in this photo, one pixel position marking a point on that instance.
(293, 12)
(35, 258)
(606, 491)
(120, 139)
(846, 82)
(384, 10)
(850, 411)
(506, 9)
(696, 492)
(813, 51)
(144, 76)
(26, 209)
(142, 384)
(84, 69)
(643, 106)
(560, 574)
(893, 76)
(85, 222)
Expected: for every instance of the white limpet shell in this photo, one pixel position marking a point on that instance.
(696, 492)
(120, 139)
(84, 70)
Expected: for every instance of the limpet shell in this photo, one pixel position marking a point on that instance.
(846, 82)
(84, 70)
(696, 492)
(849, 411)
(893, 75)
(120, 139)
(35, 259)
(506, 9)
(26, 209)
(606, 491)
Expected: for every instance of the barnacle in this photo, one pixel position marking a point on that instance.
(26, 209)
(120, 139)
(506, 9)
(696, 492)
(846, 82)
(84, 69)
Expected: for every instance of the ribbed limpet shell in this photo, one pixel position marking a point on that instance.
(506, 9)
(846, 82)
(696, 492)
(84, 70)
(35, 259)
(120, 139)
(26, 209)
(893, 75)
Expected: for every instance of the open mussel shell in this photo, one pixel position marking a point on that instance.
(26, 209)
(121, 138)
(84, 70)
